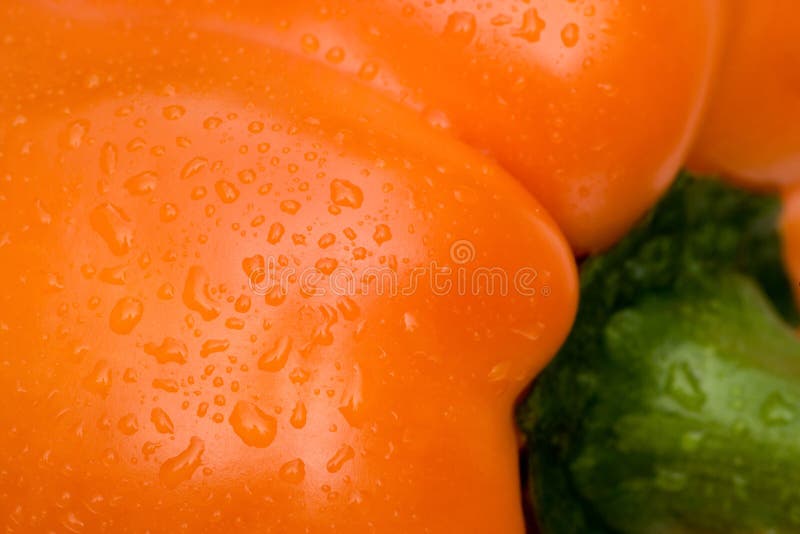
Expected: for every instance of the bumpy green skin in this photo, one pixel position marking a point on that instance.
(675, 404)
(696, 424)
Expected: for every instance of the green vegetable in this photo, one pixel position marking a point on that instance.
(674, 406)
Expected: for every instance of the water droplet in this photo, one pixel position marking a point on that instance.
(466, 195)
(335, 55)
(309, 43)
(166, 384)
(234, 323)
(326, 265)
(212, 346)
(212, 123)
(170, 350)
(276, 357)
(410, 322)
(255, 268)
(54, 282)
(299, 414)
(142, 184)
(346, 194)
(113, 275)
(322, 334)
(108, 159)
(532, 26)
(76, 134)
(437, 118)
(42, 215)
(776, 410)
(128, 424)
(137, 143)
(193, 167)
(290, 206)
(255, 127)
(168, 212)
(348, 308)
(368, 71)
(299, 376)
(570, 34)
(382, 234)
(352, 402)
(275, 296)
(247, 176)
(198, 192)
(104, 423)
(252, 425)
(130, 376)
(326, 240)
(501, 20)
(293, 471)
(125, 315)
(460, 27)
(109, 457)
(145, 260)
(99, 380)
(149, 448)
(161, 421)
(275, 233)
(76, 354)
(500, 371)
(341, 457)
(181, 467)
(684, 386)
(174, 112)
(93, 303)
(113, 225)
(72, 523)
(166, 291)
(196, 294)
(242, 304)
(227, 191)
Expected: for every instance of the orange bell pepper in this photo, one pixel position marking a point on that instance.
(751, 132)
(592, 105)
(246, 293)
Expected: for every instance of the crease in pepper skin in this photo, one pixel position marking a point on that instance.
(592, 105)
(790, 233)
(152, 379)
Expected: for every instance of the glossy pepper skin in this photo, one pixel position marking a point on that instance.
(152, 375)
(751, 131)
(695, 429)
(591, 104)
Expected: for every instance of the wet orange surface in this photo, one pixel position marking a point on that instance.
(751, 133)
(165, 187)
(593, 105)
